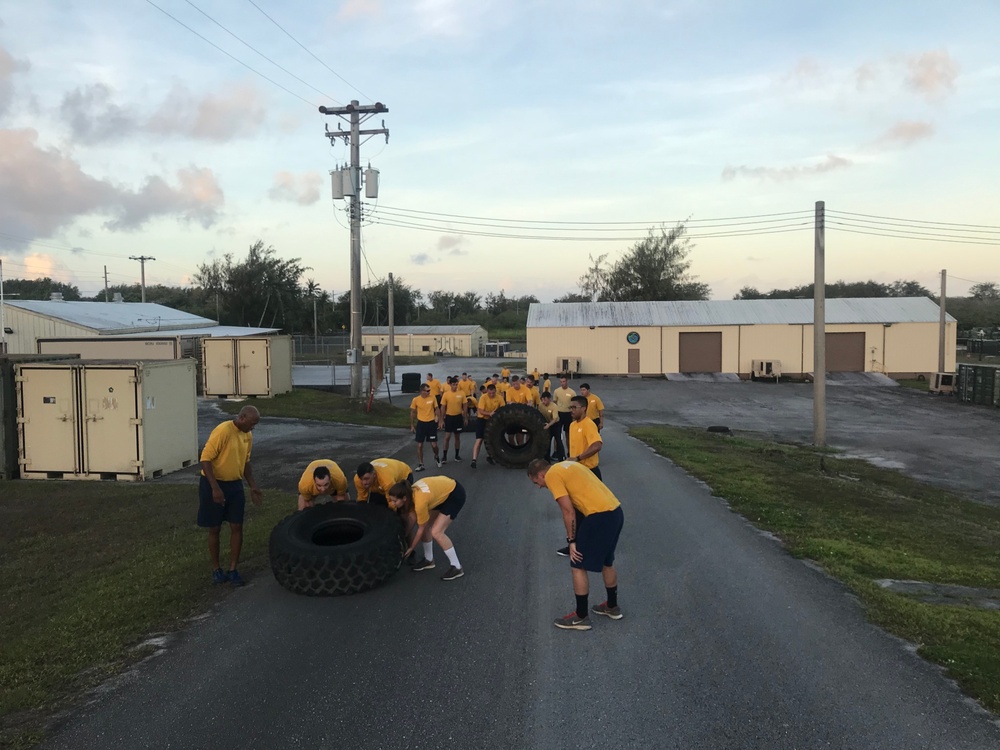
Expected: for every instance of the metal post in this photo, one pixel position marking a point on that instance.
(142, 265)
(107, 297)
(944, 320)
(819, 329)
(392, 335)
(315, 329)
(3, 321)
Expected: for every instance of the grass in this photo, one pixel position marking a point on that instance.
(310, 403)
(915, 384)
(862, 523)
(87, 571)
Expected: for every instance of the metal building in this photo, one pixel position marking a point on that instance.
(898, 336)
(416, 341)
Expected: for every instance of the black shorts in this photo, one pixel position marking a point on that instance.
(481, 427)
(453, 423)
(596, 539)
(453, 503)
(211, 514)
(426, 431)
(597, 472)
(565, 420)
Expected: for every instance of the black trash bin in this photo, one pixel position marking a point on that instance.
(411, 382)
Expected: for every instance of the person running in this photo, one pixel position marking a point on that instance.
(563, 395)
(225, 463)
(593, 518)
(425, 413)
(595, 407)
(374, 479)
(505, 372)
(454, 418)
(322, 477)
(488, 404)
(435, 385)
(431, 504)
(517, 393)
(551, 414)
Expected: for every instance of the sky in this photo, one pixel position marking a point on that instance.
(526, 136)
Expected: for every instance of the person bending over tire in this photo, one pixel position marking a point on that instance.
(374, 479)
(322, 477)
(432, 504)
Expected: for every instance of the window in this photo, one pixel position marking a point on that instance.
(395, 348)
(374, 348)
(425, 348)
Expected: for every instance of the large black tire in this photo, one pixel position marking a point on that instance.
(336, 548)
(511, 423)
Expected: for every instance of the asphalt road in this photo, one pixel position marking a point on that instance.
(727, 642)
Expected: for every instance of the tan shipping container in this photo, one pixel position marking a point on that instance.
(111, 420)
(98, 347)
(247, 365)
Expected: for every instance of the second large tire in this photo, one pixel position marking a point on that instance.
(336, 548)
(515, 435)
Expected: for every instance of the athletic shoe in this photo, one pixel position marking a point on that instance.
(489, 460)
(615, 613)
(235, 578)
(442, 461)
(420, 467)
(439, 464)
(219, 576)
(424, 565)
(452, 574)
(458, 459)
(564, 552)
(573, 622)
(473, 464)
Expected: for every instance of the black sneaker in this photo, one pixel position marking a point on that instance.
(442, 461)
(458, 459)
(452, 574)
(572, 621)
(615, 613)
(423, 565)
(564, 552)
(473, 464)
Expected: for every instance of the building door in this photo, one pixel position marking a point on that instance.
(255, 372)
(110, 421)
(845, 352)
(701, 352)
(633, 361)
(219, 367)
(48, 414)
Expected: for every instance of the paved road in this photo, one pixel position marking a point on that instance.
(727, 642)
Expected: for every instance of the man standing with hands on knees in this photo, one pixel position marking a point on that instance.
(225, 463)
(593, 518)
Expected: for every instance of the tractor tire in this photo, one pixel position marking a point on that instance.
(506, 430)
(336, 548)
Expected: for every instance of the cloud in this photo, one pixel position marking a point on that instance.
(905, 134)
(302, 189)
(93, 115)
(458, 251)
(421, 259)
(43, 190)
(782, 174)
(8, 67)
(932, 74)
(351, 9)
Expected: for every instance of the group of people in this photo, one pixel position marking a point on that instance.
(591, 513)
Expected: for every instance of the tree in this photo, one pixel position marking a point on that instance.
(985, 290)
(573, 297)
(654, 268)
(748, 292)
(39, 289)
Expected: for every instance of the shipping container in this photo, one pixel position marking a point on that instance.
(247, 366)
(102, 347)
(111, 420)
(979, 384)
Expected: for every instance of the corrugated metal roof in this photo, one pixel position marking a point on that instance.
(114, 317)
(732, 312)
(422, 330)
(209, 331)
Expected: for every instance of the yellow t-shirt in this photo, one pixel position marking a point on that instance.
(505, 373)
(518, 396)
(587, 493)
(536, 374)
(536, 397)
(425, 407)
(229, 451)
(594, 406)
(429, 493)
(452, 402)
(468, 387)
(547, 385)
(388, 471)
(307, 485)
(436, 388)
(550, 412)
(581, 435)
(562, 396)
(502, 389)
(487, 404)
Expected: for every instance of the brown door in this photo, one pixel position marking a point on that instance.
(701, 352)
(845, 352)
(633, 361)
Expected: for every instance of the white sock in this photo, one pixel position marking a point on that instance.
(428, 550)
(453, 558)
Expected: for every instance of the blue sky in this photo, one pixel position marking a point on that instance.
(123, 133)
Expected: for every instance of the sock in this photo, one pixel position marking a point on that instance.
(428, 551)
(581, 605)
(612, 596)
(452, 557)
(456, 453)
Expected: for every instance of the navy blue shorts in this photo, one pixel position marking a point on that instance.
(426, 431)
(596, 539)
(211, 514)
(597, 472)
(481, 427)
(453, 423)
(453, 503)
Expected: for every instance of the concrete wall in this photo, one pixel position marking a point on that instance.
(407, 345)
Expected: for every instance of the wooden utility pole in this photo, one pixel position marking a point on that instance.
(106, 296)
(942, 326)
(392, 335)
(819, 329)
(142, 265)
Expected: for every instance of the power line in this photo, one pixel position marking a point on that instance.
(288, 34)
(227, 54)
(908, 227)
(922, 236)
(918, 221)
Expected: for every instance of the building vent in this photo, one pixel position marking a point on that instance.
(943, 382)
(118, 297)
(56, 296)
(766, 368)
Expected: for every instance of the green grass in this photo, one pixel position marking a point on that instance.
(917, 385)
(862, 523)
(87, 571)
(309, 403)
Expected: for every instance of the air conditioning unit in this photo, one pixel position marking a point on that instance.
(568, 365)
(943, 382)
(766, 368)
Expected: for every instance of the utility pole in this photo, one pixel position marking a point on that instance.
(942, 327)
(106, 297)
(353, 113)
(392, 336)
(819, 329)
(3, 322)
(142, 264)
(315, 328)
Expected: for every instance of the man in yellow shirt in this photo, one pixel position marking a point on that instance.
(488, 404)
(517, 394)
(546, 383)
(435, 385)
(454, 418)
(531, 384)
(505, 372)
(595, 407)
(551, 414)
(322, 477)
(593, 518)
(502, 387)
(562, 396)
(374, 479)
(425, 411)
(225, 463)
